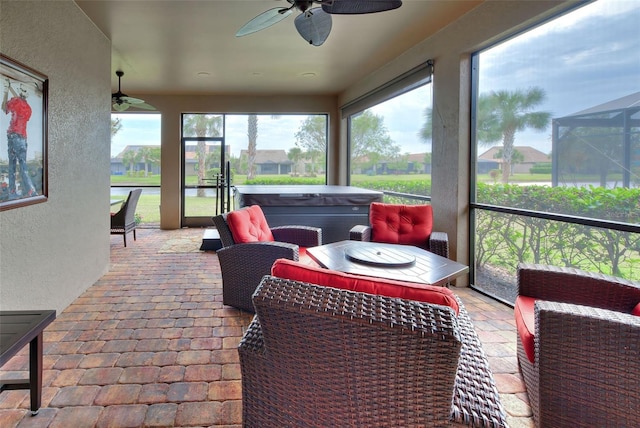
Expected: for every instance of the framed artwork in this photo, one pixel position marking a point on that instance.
(23, 135)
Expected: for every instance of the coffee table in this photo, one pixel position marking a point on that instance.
(17, 328)
(391, 261)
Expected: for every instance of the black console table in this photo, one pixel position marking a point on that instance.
(17, 328)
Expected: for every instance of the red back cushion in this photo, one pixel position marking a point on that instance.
(249, 225)
(526, 324)
(401, 224)
(288, 269)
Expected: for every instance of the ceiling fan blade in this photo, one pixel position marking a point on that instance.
(120, 107)
(353, 7)
(143, 106)
(264, 20)
(131, 100)
(314, 26)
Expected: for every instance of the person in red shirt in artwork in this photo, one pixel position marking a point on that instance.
(20, 112)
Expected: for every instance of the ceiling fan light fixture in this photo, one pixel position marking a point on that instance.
(351, 7)
(314, 26)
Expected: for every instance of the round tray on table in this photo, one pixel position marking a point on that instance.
(379, 256)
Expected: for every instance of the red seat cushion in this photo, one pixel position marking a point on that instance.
(401, 224)
(288, 269)
(249, 225)
(526, 324)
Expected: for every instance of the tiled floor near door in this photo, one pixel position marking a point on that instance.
(150, 344)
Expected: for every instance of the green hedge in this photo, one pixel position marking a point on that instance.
(541, 168)
(506, 240)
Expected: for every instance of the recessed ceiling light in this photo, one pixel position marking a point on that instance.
(203, 74)
(309, 74)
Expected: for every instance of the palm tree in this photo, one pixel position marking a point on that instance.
(202, 125)
(252, 133)
(426, 132)
(503, 113)
(295, 155)
(252, 148)
(130, 157)
(516, 157)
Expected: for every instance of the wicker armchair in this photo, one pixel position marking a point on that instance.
(402, 224)
(244, 265)
(586, 371)
(124, 221)
(322, 357)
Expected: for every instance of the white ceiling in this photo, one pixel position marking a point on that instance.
(164, 46)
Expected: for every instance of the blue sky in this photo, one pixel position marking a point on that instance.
(578, 60)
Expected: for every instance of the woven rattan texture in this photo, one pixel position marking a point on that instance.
(244, 265)
(438, 241)
(318, 356)
(587, 359)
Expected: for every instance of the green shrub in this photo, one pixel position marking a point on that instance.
(541, 168)
(506, 240)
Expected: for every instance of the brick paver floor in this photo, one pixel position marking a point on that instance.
(151, 345)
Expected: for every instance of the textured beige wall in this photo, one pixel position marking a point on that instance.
(51, 252)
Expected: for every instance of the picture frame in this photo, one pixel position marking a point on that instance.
(23, 135)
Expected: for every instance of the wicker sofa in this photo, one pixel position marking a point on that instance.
(317, 356)
(586, 346)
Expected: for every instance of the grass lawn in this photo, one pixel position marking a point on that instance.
(149, 205)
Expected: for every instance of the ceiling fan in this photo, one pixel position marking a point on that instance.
(122, 102)
(314, 23)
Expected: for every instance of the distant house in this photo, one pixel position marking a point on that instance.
(119, 168)
(530, 156)
(191, 160)
(410, 163)
(191, 157)
(270, 162)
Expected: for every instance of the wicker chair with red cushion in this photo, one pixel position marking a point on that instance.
(330, 349)
(402, 224)
(578, 346)
(249, 248)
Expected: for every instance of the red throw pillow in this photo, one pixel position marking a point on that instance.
(249, 225)
(288, 269)
(401, 224)
(636, 310)
(526, 324)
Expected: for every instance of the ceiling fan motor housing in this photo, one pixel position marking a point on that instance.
(314, 24)
(302, 5)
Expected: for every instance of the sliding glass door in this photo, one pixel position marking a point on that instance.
(204, 172)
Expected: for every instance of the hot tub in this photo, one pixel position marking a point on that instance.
(335, 209)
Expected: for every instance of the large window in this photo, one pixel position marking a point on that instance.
(277, 149)
(269, 149)
(557, 147)
(135, 162)
(390, 139)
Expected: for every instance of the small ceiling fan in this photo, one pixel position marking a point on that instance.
(122, 102)
(314, 23)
